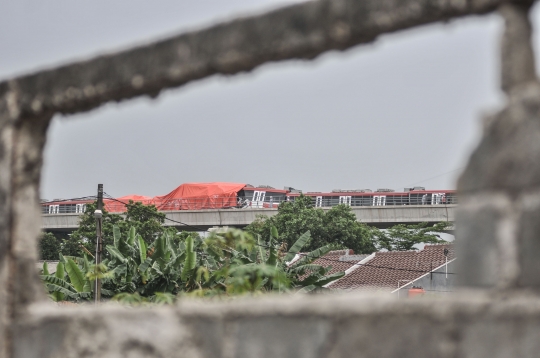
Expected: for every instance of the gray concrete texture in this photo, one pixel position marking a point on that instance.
(498, 233)
(379, 216)
(366, 325)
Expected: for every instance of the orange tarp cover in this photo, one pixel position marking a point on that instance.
(118, 205)
(196, 196)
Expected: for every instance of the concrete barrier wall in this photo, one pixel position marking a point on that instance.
(498, 226)
(353, 325)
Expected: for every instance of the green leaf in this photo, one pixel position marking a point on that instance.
(116, 236)
(274, 232)
(59, 296)
(156, 268)
(272, 255)
(298, 245)
(86, 264)
(75, 275)
(87, 286)
(142, 249)
(60, 271)
(114, 252)
(262, 253)
(62, 259)
(59, 292)
(131, 236)
(144, 266)
(191, 256)
(107, 293)
(307, 289)
(120, 270)
(45, 268)
(310, 280)
(162, 298)
(159, 252)
(202, 272)
(330, 278)
(300, 270)
(315, 254)
(53, 280)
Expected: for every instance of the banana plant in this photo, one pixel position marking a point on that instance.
(226, 263)
(301, 272)
(74, 287)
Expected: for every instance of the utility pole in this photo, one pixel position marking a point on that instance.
(98, 214)
(445, 252)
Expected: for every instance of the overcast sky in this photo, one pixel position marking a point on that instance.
(401, 112)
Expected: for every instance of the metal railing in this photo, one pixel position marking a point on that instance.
(263, 202)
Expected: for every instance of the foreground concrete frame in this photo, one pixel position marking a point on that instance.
(497, 223)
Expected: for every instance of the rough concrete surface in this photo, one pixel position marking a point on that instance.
(473, 324)
(497, 220)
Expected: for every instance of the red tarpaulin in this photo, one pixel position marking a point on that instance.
(117, 206)
(196, 196)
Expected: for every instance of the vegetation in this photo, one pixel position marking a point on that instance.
(49, 246)
(338, 227)
(146, 219)
(404, 237)
(146, 262)
(224, 264)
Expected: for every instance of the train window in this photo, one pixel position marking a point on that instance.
(438, 198)
(54, 209)
(379, 200)
(258, 199)
(318, 202)
(345, 200)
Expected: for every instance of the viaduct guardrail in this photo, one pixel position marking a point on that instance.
(379, 216)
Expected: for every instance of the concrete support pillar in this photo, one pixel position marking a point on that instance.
(21, 148)
(498, 230)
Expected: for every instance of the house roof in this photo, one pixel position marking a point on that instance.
(339, 261)
(388, 269)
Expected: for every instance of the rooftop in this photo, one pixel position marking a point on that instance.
(388, 269)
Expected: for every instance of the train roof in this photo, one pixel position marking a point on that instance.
(272, 190)
(193, 190)
(358, 193)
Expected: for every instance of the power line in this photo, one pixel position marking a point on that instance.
(166, 218)
(440, 175)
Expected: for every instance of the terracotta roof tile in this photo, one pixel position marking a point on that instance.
(386, 269)
(337, 259)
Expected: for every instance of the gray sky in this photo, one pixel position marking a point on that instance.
(403, 111)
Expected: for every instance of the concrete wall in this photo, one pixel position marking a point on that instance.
(497, 311)
(473, 325)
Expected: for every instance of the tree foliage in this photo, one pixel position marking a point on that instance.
(404, 237)
(338, 227)
(146, 220)
(49, 246)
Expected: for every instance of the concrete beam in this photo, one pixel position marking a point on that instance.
(300, 31)
(379, 216)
